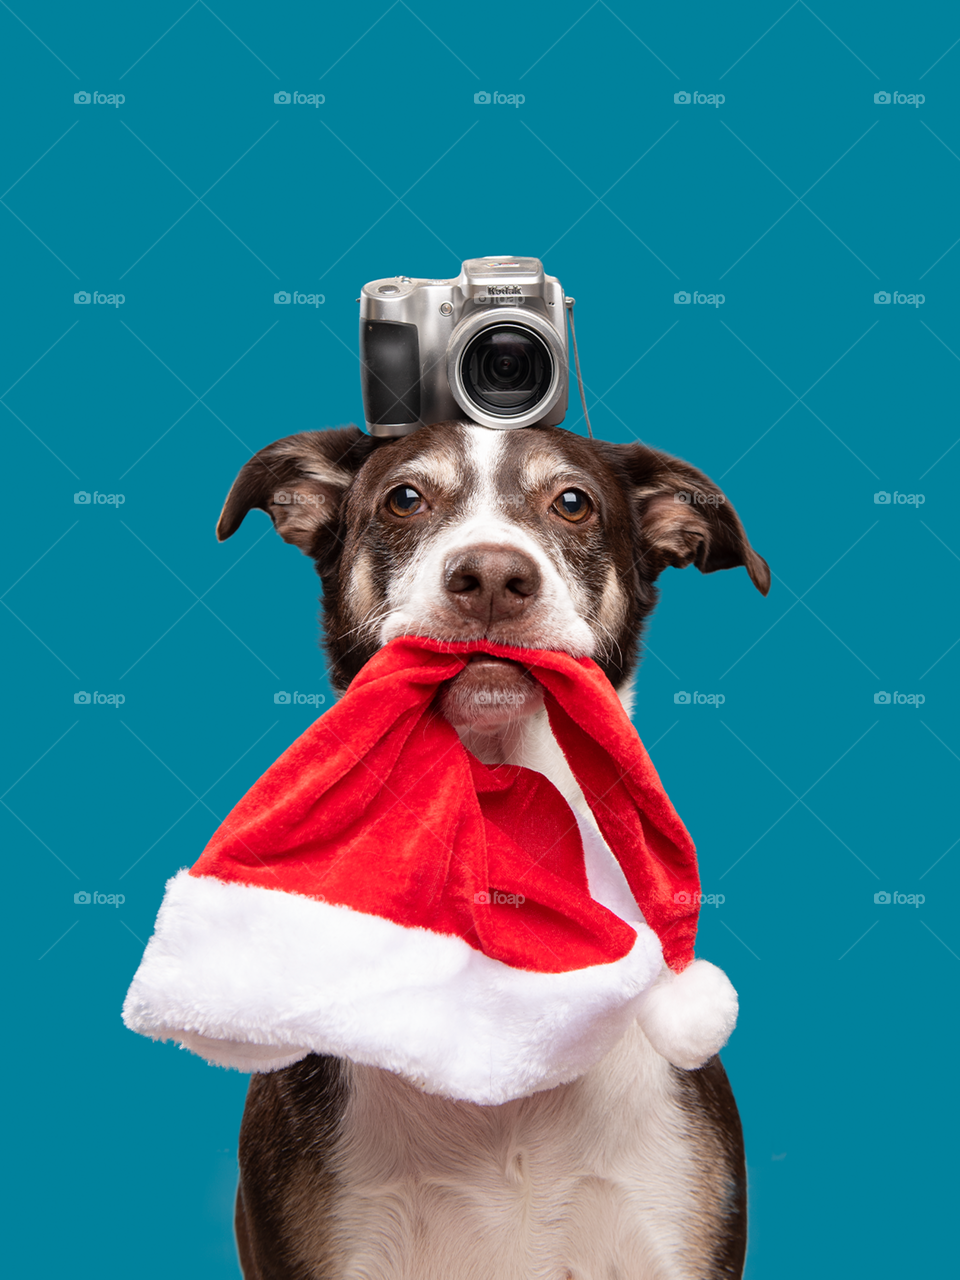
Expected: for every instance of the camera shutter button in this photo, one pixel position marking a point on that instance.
(388, 288)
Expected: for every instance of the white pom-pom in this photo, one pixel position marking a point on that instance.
(688, 1016)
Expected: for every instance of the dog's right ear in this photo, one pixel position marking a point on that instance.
(300, 482)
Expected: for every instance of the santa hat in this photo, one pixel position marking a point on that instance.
(382, 895)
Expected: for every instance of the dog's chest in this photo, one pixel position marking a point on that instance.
(588, 1181)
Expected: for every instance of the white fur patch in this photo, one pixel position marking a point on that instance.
(596, 1179)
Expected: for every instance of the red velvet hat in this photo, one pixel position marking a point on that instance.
(382, 895)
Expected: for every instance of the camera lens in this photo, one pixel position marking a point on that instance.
(506, 370)
(503, 368)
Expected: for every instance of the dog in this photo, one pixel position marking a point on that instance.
(542, 539)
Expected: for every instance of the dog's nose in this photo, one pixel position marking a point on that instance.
(491, 583)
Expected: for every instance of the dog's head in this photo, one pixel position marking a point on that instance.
(537, 538)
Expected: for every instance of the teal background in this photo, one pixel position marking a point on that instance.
(799, 395)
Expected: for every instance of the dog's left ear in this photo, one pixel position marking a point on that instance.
(682, 516)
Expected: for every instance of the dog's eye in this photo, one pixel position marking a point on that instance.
(573, 505)
(404, 501)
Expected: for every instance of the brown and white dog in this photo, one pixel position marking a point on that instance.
(635, 1171)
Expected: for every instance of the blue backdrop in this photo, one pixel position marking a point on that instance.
(801, 165)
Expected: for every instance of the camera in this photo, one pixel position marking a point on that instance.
(490, 345)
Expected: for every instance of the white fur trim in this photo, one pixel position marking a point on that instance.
(688, 1016)
(257, 978)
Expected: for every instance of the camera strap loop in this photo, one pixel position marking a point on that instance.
(569, 304)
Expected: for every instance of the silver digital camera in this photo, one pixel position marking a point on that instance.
(490, 346)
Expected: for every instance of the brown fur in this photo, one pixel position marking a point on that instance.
(708, 1099)
(286, 1183)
